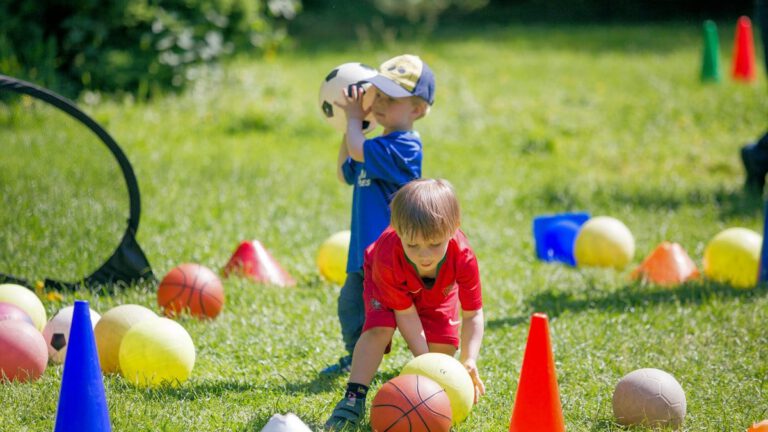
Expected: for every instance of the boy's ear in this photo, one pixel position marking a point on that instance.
(420, 110)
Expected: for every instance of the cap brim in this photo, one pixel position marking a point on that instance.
(389, 87)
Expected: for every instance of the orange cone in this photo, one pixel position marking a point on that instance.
(537, 403)
(253, 261)
(744, 51)
(668, 264)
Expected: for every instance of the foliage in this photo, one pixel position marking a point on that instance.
(426, 11)
(529, 119)
(132, 45)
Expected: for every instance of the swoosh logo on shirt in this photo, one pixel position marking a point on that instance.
(453, 323)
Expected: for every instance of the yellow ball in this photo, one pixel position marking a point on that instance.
(452, 377)
(332, 257)
(604, 241)
(157, 351)
(733, 256)
(27, 300)
(110, 330)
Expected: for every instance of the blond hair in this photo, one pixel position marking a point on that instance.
(427, 208)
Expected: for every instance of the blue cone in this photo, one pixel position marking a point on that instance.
(556, 234)
(82, 403)
(763, 276)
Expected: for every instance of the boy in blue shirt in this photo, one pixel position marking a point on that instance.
(755, 156)
(377, 168)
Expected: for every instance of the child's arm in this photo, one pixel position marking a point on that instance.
(472, 327)
(353, 109)
(343, 155)
(409, 324)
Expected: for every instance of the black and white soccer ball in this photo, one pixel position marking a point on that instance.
(56, 332)
(331, 90)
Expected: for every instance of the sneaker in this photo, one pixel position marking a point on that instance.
(755, 181)
(343, 366)
(348, 413)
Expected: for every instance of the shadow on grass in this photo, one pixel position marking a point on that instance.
(555, 302)
(729, 203)
(324, 32)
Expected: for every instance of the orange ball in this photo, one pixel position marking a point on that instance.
(759, 427)
(192, 288)
(411, 403)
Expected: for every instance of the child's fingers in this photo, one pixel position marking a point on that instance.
(478, 383)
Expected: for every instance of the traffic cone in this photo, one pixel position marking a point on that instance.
(710, 64)
(668, 264)
(744, 51)
(537, 403)
(253, 261)
(82, 402)
(759, 427)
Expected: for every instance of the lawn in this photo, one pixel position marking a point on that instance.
(528, 120)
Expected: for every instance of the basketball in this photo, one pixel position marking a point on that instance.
(192, 288)
(411, 403)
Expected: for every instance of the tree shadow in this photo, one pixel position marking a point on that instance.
(331, 31)
(632, 296)
(728, 202)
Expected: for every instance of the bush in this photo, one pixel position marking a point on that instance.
(138, 46)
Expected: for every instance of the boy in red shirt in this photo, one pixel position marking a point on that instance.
(415, 276)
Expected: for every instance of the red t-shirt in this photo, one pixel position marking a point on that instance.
(392, 280)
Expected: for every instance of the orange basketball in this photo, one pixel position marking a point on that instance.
(193, 288)
(411, 403)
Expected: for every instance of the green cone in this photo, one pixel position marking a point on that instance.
(710, 65)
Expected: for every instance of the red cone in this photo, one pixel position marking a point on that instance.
(744, 51)
(537, 403)
(668, 264)
(253, 261)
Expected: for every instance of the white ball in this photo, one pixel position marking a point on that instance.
(649, 397)
(332, 89)
(56, 332)
(285, 423)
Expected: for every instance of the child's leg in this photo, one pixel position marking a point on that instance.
(365, 362)
(368, 354)
(351, 310)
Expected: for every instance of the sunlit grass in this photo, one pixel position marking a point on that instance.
(528, 120)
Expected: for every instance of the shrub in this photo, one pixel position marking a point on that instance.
(138, 46)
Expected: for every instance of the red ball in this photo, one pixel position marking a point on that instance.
(411, 403)
(24, 351)
(9, 311)
(192, 288)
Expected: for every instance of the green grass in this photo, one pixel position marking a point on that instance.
(528, 120)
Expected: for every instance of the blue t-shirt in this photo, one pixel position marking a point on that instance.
(391, 161)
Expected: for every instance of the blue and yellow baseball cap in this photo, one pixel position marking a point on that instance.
(405, 75)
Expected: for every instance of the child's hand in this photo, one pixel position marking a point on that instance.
(353, 102)
(471, 366)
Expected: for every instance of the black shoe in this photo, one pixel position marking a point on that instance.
(348, 413)
(755, 181)
(342, 367)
